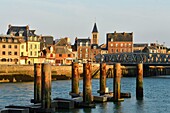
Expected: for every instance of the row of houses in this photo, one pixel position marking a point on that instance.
(21, 45)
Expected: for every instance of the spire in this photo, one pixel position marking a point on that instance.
(95, 28)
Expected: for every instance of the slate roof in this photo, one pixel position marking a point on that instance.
(62, 42)
(48, 40)
(140, 45)
(120, 36)
(17, 29)
(95, 29)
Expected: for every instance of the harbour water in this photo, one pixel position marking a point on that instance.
(156, 95)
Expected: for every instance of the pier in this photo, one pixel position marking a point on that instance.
(43, 103)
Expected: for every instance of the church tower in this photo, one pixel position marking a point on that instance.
(95, 35)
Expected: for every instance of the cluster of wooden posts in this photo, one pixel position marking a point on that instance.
(42, 89)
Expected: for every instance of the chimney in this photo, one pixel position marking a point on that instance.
(9, 26)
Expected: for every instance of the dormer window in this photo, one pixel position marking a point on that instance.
(31, 38)
(87, 43)
(35, 38)
(111, 39)
(80, 43)
(21, 33)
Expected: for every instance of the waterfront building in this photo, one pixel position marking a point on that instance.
(155, 48)
(30, 46)
(138, 47)
(103, 49)
(160, 47)
(46, 41)
(83, 48)
(63, 56)
(47, 55)
(119, 42)
(9, 49)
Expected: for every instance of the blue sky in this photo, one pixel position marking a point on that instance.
(148, 19)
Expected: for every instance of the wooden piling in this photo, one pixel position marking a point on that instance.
(46, 86)
(75, 79)
(87, 85)
(37, 82)
(102, 78)
(139, 81)
(117, 82)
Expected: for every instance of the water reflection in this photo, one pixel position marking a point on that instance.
(118, 108)
(156, 98)
(139, 106)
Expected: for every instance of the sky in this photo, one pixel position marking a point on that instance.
(149, 20)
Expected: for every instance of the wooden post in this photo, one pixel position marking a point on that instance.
(46, 86)
(87, 86)
(117, 82)
(37, 82)
(139, 81)
(75, 78)
(102, 78)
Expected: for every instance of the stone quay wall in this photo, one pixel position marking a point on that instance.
(21, 73)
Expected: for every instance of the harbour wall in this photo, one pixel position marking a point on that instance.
(25, 73)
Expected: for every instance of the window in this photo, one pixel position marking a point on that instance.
(86, 55)
(35, 53)
(51, 55)
(22, 53)
(129, 44)
(15, 53)
(60, 55)
(3, 40)
(35, 46)
(3, 60)
(116, 45)
(3, 52)
(15, 40)
(30, 38)
(87, 43)
(94, 47)
(3, 46)
(80, 43)
(121, 45)
(22, 46)
(31, 46)
(94, 36)
(31, 53)
(9, 53)
(15, 46)
(69, 55)
(86, 50)
(35, 38)
(111, 39)
(80, 55)
(9, 46)
(111, 45)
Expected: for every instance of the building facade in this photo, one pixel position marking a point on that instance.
(119, 42)
(83, 48)
(9, 49)
(30, 45)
